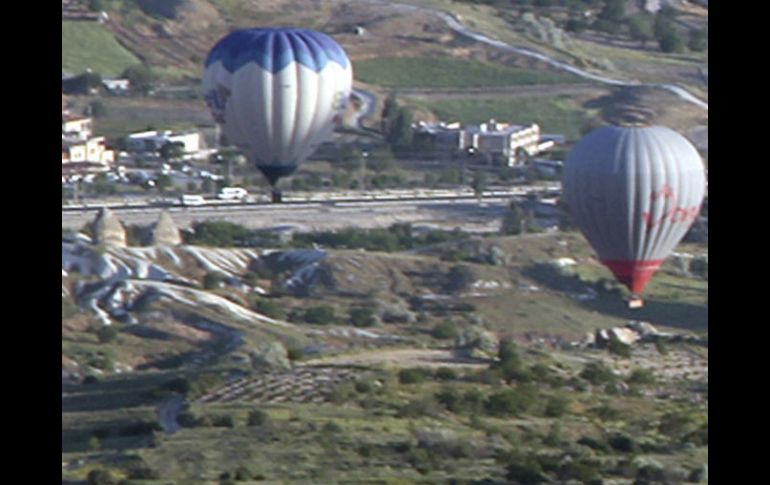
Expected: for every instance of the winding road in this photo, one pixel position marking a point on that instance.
(454, 23)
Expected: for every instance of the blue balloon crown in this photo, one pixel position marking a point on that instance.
(275, 48)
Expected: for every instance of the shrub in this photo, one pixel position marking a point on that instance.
(606, 413)
(267, 307)
(320, 315)
(556, 406)
(641, 377)
(106, 334)
(511, 402)
(444, 331)
(420, 408)
(411, 376)
(242, 473)
(362, 317)
(451, 399)
(257, 417)
(622, 443)
(94, 443)
(143, 473)
(525, 470)
(594, 444)
(581, 470)
(217, 233)
(331, 427)
(295, 353)
(68, 308)
(459, 279)
(616, 347)
(363, 387)
(446, 374)
(213, 280)
(598, 373)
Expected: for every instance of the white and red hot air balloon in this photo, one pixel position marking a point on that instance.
(634, 192)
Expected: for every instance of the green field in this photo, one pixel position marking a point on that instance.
(89, 45)
(397, 72)
(560, 114)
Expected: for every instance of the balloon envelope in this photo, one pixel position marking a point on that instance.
(278, 93)
(634, 192)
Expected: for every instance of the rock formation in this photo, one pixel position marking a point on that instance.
(108, 230)
(165, 232)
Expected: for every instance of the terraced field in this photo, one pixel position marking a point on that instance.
(300, 385)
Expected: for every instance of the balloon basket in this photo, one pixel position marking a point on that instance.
(634, 302)
(276, 196)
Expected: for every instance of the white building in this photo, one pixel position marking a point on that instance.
(76, 127)
(152, 141)
(490, 139)
(116, 86)
(92, 150)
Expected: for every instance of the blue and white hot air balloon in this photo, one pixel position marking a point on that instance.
(277, 93)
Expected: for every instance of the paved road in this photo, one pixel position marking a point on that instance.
(168, 410)
(465, 213)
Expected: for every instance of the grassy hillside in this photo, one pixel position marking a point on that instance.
(396, 72)
(89, 45)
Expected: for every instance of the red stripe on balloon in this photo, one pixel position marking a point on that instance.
(633, 274)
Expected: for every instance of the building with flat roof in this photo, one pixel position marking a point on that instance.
(492, 140)
(153, 141)
(77, 127)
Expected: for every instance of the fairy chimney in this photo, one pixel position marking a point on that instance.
(108, 230)
(165, 232)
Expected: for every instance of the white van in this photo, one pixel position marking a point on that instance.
(232, 193)
(189, 200)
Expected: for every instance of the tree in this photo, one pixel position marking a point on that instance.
(82, 84)
(613, 11)
(207, 186)
(479, 183)
(459, 278)
(514, 220)
(670, 41)
(401, 135)
(97, 109)
(362, 317)
(350, 158)
(380, 160)
(389, 113)
(162, 182)
(699, 40)
(213, 279)
(106, 334)
(140, 77)
(98, 476)
(640, 28)
(172, 151)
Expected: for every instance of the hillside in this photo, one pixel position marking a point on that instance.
(424, 48)
(355, 396)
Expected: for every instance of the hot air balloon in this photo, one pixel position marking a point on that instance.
(277, 94)
(634, 192)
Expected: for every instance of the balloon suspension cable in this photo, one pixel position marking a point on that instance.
(635, 301)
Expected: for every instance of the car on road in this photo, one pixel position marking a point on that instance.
(192, 200)
(232, 193)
